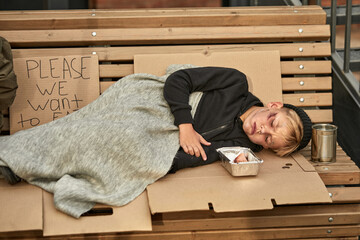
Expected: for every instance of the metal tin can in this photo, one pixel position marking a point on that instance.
(323, 143)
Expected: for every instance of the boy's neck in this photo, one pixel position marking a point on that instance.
(248, 112)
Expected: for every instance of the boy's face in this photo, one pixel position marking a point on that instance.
(266, 126)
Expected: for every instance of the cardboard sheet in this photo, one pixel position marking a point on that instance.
(261, 67)
(134, 216)
(20, 207)
(280, 180)
(51, 88)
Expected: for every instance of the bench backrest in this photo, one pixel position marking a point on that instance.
(299, 33)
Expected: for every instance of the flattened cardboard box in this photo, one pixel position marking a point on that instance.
(262, 68)
(134, 216)
(282, 180)
(25, 207)
(20, 207)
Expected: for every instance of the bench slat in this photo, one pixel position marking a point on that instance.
(321, 115)
(306, 67)
(309, 99)
(115, 70)
(306, 83)
(162, 18)
(287, 67)
(189, 35)
(344, 232)
(119, 54)
(339, 175)
(307, 8)
(349, 194)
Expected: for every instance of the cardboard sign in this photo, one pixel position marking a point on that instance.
(51, 88)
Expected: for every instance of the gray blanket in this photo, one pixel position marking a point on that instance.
(107, 152)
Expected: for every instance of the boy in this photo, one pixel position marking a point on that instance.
(229, 115)
(110, 150)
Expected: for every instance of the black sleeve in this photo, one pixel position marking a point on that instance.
(180, 84)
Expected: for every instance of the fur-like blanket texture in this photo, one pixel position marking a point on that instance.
(107, 152)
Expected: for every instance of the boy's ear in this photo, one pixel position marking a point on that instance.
(275, 105)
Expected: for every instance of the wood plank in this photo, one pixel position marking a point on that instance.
(170, 236)
(166, 11)
(165, 18)
(339, 175)
(105, 85)
(334, 232)
(308, 99)
(306, 83)
(81, 37)
(345, 194)
(306, 67)
(320, 116)
(309, 8)
(115, 70)
(118, 70)
(336, 238)
(315, 233)
(121, 54)
(281, 233)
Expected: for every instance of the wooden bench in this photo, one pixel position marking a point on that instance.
(299, 33)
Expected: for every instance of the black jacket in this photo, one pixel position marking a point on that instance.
(217, 118)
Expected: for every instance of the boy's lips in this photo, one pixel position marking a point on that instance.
(253, 128)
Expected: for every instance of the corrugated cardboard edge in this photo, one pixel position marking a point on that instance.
(134, 216)
(303, 162)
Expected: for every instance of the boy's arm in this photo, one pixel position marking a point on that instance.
(182, 83)
(184, 160)
(177, 90)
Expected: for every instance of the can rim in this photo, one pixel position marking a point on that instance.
(324, 127)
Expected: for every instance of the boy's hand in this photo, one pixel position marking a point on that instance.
(191, 141)
(241, 158)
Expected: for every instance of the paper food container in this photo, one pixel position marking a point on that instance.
(249, 168)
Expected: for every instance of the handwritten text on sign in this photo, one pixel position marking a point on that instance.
(51, 88)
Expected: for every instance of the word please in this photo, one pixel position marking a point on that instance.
(58, 68)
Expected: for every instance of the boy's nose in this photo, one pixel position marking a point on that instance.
(264, 129)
